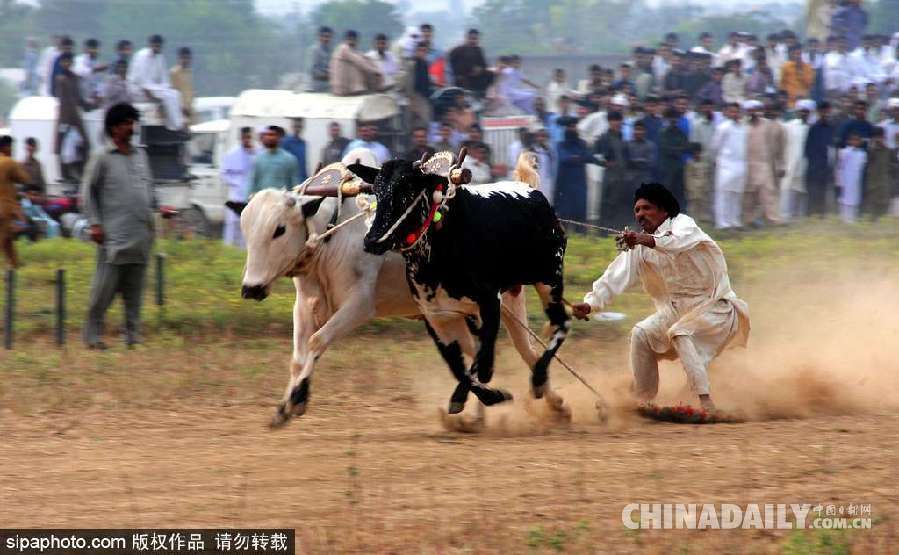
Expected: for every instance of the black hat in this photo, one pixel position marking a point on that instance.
(659, 195)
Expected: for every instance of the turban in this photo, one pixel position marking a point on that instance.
(806, 104)
(657, 194)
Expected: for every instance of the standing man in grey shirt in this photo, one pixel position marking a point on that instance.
(118, 202)
(320, 60)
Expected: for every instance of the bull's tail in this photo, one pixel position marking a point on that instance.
(526, 169)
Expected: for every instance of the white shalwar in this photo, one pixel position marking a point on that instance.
(793, 201)
(148, 73)
(236, 169)
(729, 144)
(697, 313)
(849, 175)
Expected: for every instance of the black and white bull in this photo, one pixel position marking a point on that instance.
(339, 287)
(493, 239)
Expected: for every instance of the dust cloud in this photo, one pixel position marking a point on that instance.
(830, 347)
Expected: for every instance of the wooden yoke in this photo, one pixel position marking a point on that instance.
(327, 181)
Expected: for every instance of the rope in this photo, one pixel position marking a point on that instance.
(366, 209)
(591, 226)
(565, 365)
(402, 218)
(447, 196)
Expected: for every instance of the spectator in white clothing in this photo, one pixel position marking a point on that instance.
(149, 78)
(385, 60)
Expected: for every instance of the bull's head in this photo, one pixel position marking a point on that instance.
(274, 229)
(404, 195)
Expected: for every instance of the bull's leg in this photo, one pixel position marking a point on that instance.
(551, 296)
(485, 357)
(514, 317)
(358, 309)
(482, 368)
(303, 328)
(450, 348)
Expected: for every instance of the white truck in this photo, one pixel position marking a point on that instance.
(212, 140)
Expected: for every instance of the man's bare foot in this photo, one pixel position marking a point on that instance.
(706, 402)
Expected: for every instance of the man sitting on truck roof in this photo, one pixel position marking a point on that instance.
(149, 75)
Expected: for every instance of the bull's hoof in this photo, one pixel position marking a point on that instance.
(538, 391)
(284, 414)
(455, 407)
(602, 411)
(280, 418)
(462, 423)
(492, 397)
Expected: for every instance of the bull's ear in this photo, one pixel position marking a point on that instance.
(367, 173)
(236, 206)
(311, 207)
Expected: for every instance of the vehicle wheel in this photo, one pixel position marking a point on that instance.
(192, 224)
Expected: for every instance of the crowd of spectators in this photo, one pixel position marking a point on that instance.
(745, 133)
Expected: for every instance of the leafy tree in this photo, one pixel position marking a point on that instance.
(16, 21)
(367, 17)
(884, 17)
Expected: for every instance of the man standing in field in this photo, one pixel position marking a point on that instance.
(11, 172)
(697, 314)
(118, 203)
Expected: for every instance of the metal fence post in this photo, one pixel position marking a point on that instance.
(60, 307)
(10, 311)
(160, 279)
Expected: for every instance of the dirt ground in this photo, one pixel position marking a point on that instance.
(152, 440)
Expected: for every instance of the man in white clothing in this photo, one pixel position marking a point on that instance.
(697, 315)
(729, 146)
(385, 60)
(368, 133)
(91, 71)
(149, 77)
(837, 67)
(891, 126)
(236, 169)
(793, 196)
(45, 64)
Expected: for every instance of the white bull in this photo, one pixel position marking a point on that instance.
(339, 286)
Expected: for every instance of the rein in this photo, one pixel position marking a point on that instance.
(435, 215)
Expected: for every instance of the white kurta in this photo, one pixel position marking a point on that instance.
(837, 72)
(849, 175)
(45, 68)
(686, 276)
(546, 169)
(91, 81)
(729, 146)
(236, 169)
(891, 132)
(148, 72)
(792, 186)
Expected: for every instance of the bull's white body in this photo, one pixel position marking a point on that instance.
(339, 287)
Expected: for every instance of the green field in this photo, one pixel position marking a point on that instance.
(203, 278)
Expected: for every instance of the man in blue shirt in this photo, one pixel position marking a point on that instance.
(367, 138)
(295, 145)
(274, 167)
(850, 21)
(859, 125)
(819, 170)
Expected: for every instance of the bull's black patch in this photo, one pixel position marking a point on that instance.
(300, 394)
(491, 240)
